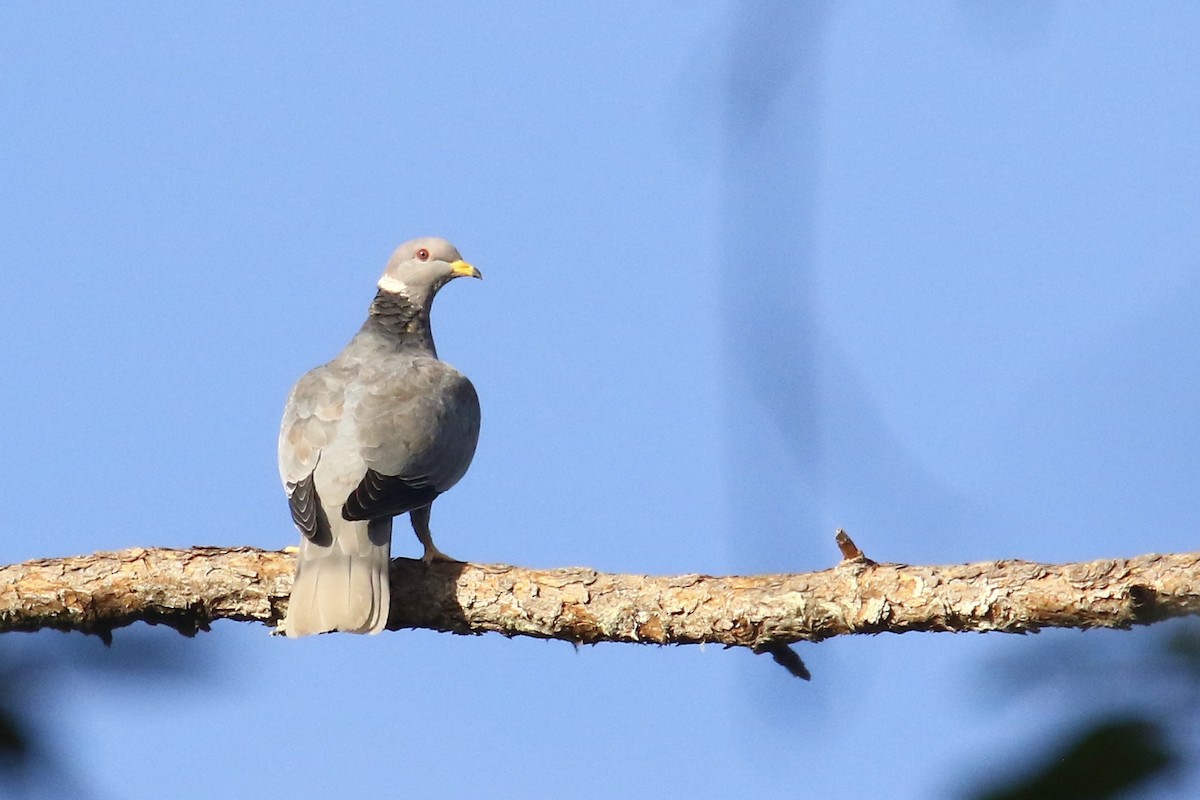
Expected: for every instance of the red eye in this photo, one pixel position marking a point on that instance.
(422, 254)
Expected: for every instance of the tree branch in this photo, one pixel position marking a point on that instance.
(189, 589)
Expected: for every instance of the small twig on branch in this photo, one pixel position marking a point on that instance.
(189, 589)
(849, 549)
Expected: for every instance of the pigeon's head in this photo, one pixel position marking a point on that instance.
(419, 268)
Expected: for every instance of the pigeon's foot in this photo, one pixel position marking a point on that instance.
(420, 523)
(432, 554)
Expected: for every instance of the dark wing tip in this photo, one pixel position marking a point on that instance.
(307, 512)
(386, 496)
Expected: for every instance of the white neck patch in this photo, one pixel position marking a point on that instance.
(393, 285)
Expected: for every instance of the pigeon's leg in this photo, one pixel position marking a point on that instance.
(420, 522)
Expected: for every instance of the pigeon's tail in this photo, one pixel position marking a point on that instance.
(342, 586)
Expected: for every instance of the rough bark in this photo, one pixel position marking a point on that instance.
(189, 589)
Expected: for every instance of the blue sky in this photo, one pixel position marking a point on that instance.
(928, 273)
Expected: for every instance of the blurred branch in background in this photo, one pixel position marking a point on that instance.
(769, 123)
(1136, 708)
(189, 589)
(35, 670)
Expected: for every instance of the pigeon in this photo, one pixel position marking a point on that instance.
(379, 431)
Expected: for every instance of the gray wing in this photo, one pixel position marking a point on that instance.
(310, 422)
(417, 425)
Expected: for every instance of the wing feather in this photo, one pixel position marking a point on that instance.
(386, 496)
(310, 422)
(307, 512)
(417, 429)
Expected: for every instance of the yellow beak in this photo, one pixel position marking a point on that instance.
(462, 269)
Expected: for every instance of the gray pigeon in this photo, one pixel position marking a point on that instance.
(380, 431)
